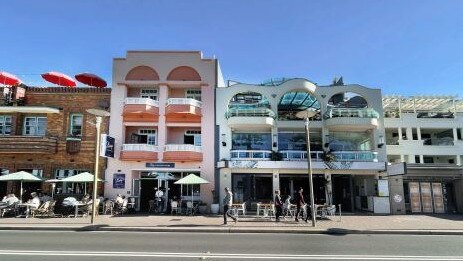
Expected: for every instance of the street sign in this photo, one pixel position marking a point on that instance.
(107, 146)
(160, 165)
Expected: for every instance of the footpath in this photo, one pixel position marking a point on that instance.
(349, 224)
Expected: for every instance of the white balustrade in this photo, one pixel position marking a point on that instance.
(143, 101)
(250, 154)
(182, 147)
(139, 147)
(290, 155)
(184, 101)
(355, 155)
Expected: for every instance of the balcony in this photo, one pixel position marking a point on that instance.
(250, 118)
(250, 154)
(28, 144)
(349, 119)
(366, 156)
(448, 141)
(139, 152)
(182, 153)
(140, 110)
(297, 155)
(183, 110)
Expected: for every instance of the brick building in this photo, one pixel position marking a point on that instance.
(48, 133)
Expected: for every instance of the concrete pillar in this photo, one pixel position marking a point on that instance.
(275, 181)
(455, 135)
(409, 133)
(329, 189)
(402, 158)
(275, 138)
(162, 129)
(225, 181)
(411, 158)
(400, 133)
(421, 159)
(458, 161)
(396, 195)
(418, 133)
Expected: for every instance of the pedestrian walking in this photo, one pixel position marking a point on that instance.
(300, 202)
(159, 197)
(227, 203)
(278, 205)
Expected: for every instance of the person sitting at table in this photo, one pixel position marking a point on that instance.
(85, 198)
(68, 205)
(119, 200)
(35, 201)
(8, 201)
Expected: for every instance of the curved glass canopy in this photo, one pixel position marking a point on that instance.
(293, 102)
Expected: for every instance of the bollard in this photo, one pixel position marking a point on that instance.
(340, 214)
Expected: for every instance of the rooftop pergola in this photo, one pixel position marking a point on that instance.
(422, 103)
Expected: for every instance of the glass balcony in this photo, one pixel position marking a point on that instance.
(295, 155)
(249, 112)
(367, 156)
(351, 112)
(446, 141)
(250, 154)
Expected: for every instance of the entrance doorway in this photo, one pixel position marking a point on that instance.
(252, 188)
(342, 193)
(290, 184)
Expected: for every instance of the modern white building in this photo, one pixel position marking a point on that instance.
(263, 144)
(425, 132)
(163, 122)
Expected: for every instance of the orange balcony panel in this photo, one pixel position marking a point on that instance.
(183, 113)
(139, 156)
(140, 113)
(182, 156)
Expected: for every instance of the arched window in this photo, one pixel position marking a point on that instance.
(296, 101)
(347, 100)
(142, 73)
(184, 73)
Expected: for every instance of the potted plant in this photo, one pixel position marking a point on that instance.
(202, 207)
(215, 203)
(276, 156)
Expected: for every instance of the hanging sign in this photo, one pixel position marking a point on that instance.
(107, 146)
(119, 181)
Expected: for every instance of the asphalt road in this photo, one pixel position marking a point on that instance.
(69, 246)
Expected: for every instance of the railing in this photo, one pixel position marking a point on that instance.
(182, 147)
(355, 155)
(184, 101)
(251, 112)
(439, 141)
(139, 147)
(146, 101)
(348, 112)
(290, 155)
(250, 154)
(435, 115)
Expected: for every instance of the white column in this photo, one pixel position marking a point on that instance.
(162, 129)
(275, 181)
(455, 135)
(402, 158)
(409, 134)
(421, 159)
(411, 158)
(458, 160)
(418, 133)
(400, 133)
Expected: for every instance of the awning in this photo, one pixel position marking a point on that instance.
(27, 109)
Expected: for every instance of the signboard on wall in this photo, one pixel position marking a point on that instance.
(383, 188)
(438, 198)
(415, 199)
(119, 181)
(426, 197)
(160, 165)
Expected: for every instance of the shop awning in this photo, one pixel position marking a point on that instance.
(27, 109)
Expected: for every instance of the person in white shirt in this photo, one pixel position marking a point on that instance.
(159, 195)
(119, 200)
(35, 201)
(9, 200)
(69, 202)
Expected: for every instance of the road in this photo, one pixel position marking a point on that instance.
(117, 246)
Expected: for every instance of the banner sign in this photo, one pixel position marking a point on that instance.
(107, 146)
(119, 181)
(160, 165)
(426, 197)
(438, 198)
(415, 199)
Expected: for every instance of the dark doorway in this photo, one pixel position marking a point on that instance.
(147, 193)
(252, 188)
(342, 193)
(290, 184)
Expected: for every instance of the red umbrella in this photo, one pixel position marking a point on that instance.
(91, 80)
(9, 79)
(59, 79)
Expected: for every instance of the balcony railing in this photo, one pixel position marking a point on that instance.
(351, 112)
(250, 154)
(439, 141)
(139, 147)
(296, 155)
(184, 101)
(182, 147)
(251, 112)
(356, 155)
(138, 101)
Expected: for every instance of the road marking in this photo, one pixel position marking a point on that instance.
(223, 255)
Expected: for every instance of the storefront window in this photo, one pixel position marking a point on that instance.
(350, 141)
(251, 141)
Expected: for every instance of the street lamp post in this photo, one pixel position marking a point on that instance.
(99, 114)
(307, 114)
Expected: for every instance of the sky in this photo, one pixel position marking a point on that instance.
(403, 47)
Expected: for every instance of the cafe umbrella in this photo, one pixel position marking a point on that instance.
(91, 79)
(21, 176)
(9, 79)
(84, 177)
(191, 179)
(58, 78)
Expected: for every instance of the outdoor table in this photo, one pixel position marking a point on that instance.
(235, 207)
(28, 207)
(77, 205)
(266, 208)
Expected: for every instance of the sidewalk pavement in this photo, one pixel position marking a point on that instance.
(349, 224)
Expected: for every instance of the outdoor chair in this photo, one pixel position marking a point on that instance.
(152, 206)
(90, 207)
(13, 208)
(259, 209)
(190, 208)
(241, 209)
(121, 209)
(174, 207)
(108, 207)
(271, 211)
(40, 211)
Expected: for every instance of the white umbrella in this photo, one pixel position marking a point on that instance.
(21, 176)
(83, 177)
(191, 179)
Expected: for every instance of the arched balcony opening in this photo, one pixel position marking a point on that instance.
(142, 73)
(184, 73)
(295, 101)
(349, 104)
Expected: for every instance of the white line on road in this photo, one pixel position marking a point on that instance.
(223, 255)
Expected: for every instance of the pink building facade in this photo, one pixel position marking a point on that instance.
(163, 122)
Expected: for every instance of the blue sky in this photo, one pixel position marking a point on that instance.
(406, 47)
